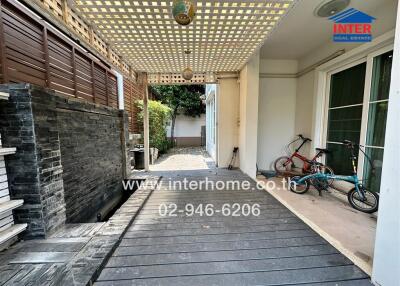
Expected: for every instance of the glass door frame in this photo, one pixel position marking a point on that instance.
(369, 60)
(366, 104)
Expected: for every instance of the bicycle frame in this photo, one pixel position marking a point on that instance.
(306, 161)
(353, 179)
(322, 176)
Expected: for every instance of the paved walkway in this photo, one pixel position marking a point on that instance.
(192, 158)
(274, 248)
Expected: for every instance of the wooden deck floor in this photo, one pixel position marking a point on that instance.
(275, 248)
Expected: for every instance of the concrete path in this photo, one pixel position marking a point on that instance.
(273, 248)
(350, 231)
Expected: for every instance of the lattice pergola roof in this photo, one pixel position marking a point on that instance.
(222, 37)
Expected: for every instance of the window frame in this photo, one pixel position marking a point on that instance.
(369, 60)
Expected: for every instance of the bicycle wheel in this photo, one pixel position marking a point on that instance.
(298, 188)
(368, 204)
(283, 164)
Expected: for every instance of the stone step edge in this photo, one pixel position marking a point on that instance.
(4, 95)
(11, 232)
(10, 205)
(7, 151)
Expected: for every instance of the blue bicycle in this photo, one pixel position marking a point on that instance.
(359, 197)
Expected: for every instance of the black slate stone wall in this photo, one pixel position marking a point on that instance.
(48, 154)
(91, 155)
(34, 172)
(69, 160)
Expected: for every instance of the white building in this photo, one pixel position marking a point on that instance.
(188, 130)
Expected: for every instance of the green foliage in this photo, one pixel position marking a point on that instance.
(185, 99)
(181, 98)
(159, 114)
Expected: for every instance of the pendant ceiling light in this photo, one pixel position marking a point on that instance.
(183, 11)
(187, 72)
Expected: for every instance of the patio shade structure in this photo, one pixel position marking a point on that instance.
(222, 36)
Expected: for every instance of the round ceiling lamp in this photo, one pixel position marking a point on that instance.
(329, 8)
(183, 12)
(187, 73)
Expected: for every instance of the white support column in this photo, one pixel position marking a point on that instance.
(249, 94)
(146, 134)
(120, 84)
(386, 268)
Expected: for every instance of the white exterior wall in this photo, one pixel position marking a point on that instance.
(249, 94)
(228, 98)
(386, 267)
(304, 109)
(277, 106)
(187, 126)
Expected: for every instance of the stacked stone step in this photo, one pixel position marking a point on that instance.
(8, 230)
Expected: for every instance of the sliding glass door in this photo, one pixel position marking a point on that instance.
(345, 115)
(357, 110)
(377, 113)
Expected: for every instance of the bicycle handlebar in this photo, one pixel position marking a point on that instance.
(349, 144)
(304, 138)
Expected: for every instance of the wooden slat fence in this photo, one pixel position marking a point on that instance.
(34, 52)
(132, 93)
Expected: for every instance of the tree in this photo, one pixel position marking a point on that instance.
(181, 99)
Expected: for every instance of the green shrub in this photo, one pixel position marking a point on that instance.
(159, 114)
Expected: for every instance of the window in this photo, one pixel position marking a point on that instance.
(345, 115)
(360, 116)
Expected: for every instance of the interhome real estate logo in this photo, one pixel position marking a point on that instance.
(352, 26)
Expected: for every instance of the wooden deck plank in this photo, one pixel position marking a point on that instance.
(275, 248)
(204, 231)
(216, 238)
(218, 246)
(282, 277)
(221, 256)
(225, 255)
(228, 267)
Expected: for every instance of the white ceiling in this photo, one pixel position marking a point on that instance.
(222, 37)
(301, 32)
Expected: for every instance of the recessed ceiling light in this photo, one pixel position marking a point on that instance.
(331, 7)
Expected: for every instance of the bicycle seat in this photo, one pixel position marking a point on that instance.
(326, 151)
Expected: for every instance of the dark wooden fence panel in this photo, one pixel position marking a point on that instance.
(34, 52)
(132, 93)
(100, 86)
